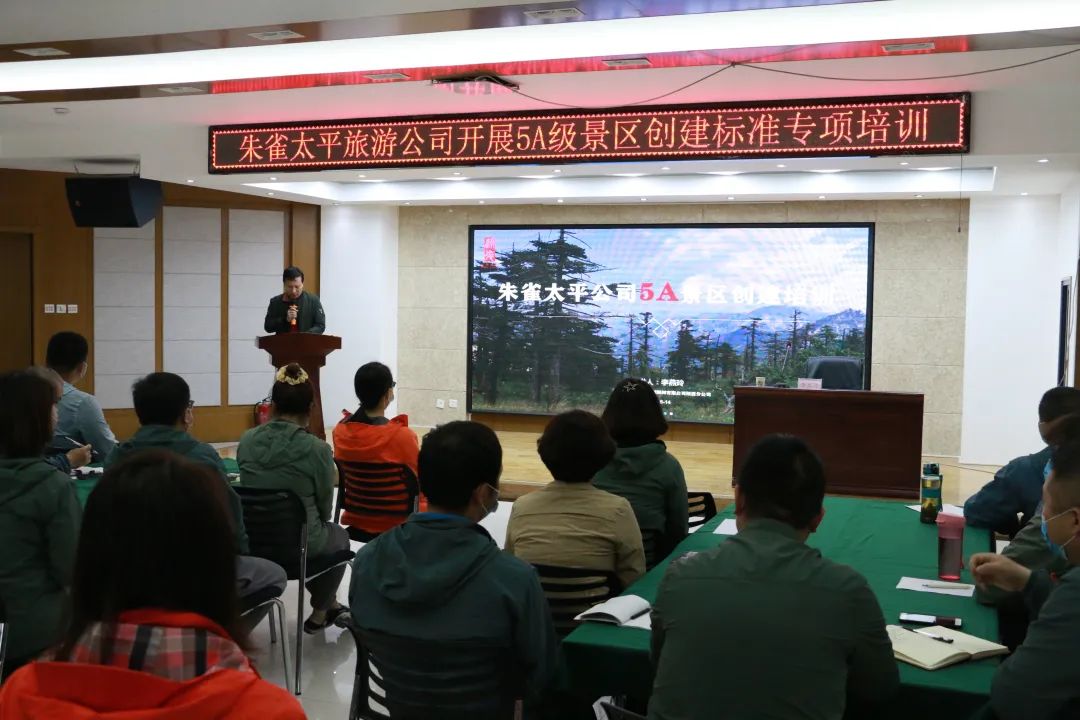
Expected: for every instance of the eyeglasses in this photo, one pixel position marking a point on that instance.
(190, 404)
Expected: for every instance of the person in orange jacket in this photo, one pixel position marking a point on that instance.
(368, 437)
(153, 632)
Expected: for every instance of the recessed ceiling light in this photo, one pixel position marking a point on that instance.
(826, 172)
(536, 177)
(1043, 160)
(935, 169)
(273, 35)
(820, 197)
(918, 196)
(180, 90)
(457, 172)
(904, 162)
(361, 175)
(781, 165)
(337, 203)
(42, 52)
(373, 180)
(628, 62)
(408, 203)
(556, 170)
(564, 13)
(665, 168)
(644, 199)
(9, 98)
(452, 179)
(627, 174)
(559, 200)
(379, 77)
(725, 172)
(190, 180)
(730, 197)
(273, 178)
(1024, 194)
(482, 202)
(908, 47)
(61, 110)
(269, 193)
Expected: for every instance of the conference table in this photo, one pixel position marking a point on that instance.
(884, 541)
(86, 481)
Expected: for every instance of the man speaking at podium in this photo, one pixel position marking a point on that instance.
(294, 310)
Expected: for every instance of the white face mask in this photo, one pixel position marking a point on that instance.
(495, 500)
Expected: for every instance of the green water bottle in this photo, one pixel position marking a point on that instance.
(931, 493)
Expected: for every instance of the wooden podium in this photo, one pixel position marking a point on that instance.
(309, 351)
(869, 442)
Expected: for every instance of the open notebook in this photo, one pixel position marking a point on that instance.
(923, 651)
(624, 611)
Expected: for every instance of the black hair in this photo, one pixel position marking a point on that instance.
(782, 478)
(160, 398)
(455, 459)
(575, 446)
(66, 351)
(633, 414)
(190, 564)
(26, 403)
(1057, 402)
(291, 399)
(371, 382)
(292, 273)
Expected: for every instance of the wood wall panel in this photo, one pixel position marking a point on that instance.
(677, 432)
(36, 203)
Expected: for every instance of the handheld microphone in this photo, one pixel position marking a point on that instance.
(293, 321)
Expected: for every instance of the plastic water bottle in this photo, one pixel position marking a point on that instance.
(930, 497)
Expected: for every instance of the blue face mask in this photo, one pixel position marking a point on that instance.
(1057, 550)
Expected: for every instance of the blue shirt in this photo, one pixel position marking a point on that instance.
(81, 419)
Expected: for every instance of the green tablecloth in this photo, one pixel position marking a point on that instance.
(85, 483)
(884, 541)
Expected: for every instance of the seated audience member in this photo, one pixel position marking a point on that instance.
(439, 576)
(1017, 487)
(810, 639)
(153, 632)
(1041, 679)
(283, 455)
(164, 407)
(39, 519)
(81, 420)
(569, 522)
(643, 471)
(76, 457)
(368, 436)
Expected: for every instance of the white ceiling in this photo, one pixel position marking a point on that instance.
(1020, 116)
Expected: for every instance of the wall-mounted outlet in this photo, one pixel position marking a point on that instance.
(440, 403)
(73, 309)
(50, 309)
(452, 402)
(61, 309)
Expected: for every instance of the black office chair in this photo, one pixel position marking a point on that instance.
(400, 678)
(389, 489)
(276, 524)
(617, 713)
(702, 508)
(269, 599)
(572, 591)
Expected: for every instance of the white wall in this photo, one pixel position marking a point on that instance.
(1010, 356)
(358, 285)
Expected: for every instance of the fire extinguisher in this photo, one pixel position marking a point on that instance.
(262, 411)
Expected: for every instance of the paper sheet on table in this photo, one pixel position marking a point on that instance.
(642, 622)
(727, 527)
(920, 585)
(947, 509)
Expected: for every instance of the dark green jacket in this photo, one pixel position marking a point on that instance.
(1041, 679)
(281, 455)
(310, 317)
(1029, 549)
(1016, 488)
(809, 637)
(441, 577)
(181, 443)
(652, 480)
(39, 529)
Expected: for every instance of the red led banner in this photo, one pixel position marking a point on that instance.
(913, 125)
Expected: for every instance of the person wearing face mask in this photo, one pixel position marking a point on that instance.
(439, 577)
(1041, 679)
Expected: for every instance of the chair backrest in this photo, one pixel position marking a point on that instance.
(276, 525)
(377, 488)
(702, 508)
(614, 712)
(572, 591)
(411, 679)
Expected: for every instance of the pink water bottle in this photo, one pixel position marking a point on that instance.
(950, 546)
